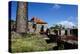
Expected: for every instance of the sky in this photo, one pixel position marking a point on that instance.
(50, 13)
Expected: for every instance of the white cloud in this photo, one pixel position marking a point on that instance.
(67, 24)
(56, 6)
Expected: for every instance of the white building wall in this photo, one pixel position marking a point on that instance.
(39, 27)
(62, 32)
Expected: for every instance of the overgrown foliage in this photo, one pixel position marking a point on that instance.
(29, 43)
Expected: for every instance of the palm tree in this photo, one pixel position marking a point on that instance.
(22, 17)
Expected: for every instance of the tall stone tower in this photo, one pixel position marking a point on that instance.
(22, 17)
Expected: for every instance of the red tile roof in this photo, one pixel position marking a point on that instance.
(38, 21)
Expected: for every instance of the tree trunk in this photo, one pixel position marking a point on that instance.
(22, 17)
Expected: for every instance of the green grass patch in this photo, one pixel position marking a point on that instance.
(29, 43)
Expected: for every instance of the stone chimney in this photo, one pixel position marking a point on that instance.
(22, 17)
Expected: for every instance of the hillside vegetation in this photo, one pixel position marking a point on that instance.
(28, 43)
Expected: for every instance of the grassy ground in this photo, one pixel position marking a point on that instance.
(29, 43)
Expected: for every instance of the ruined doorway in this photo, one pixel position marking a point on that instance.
(42, 29)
